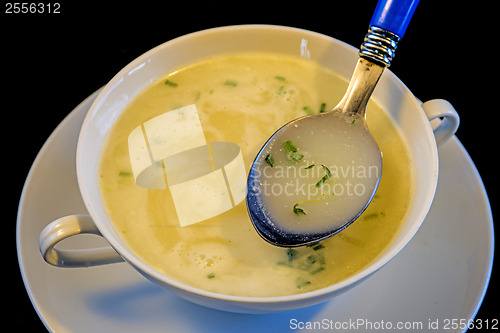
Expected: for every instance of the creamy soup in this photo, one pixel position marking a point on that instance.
(243, 99)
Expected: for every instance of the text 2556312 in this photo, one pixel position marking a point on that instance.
(32, 8)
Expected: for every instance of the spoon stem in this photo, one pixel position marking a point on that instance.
(376, 53)
(363, 82)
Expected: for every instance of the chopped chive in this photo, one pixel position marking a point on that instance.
(293, 154)
(327, 175)
(298, 210)
(280, 78)
(295, 157)
(125, 174)
(316, 246)
(269, 159)
(322, 108)
(281, 91)
(230, 83)
(312, 259)
(291, 254)
(171, 84)
(290, 146)
(301, 282)
(352, 240)
(307, 109)
(314, 263)
(328, 172)
(309, 167)
(374, 215)
(317, 270)
(211, 276)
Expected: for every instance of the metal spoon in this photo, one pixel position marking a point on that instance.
(387, 26)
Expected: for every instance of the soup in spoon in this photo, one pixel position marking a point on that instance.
(319, 174)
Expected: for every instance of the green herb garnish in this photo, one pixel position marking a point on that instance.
(301, 282)
(281, 91)
(374, 215)
(293, 154)
(317, 270)
(322, 108)
(316, 246)
(125, 174)
(327, 175)
(309, 261)
(297, 210)
(289, 146)
(314, 263)
(210, 276)
(307, 109)
(171, 84)
(269, 159)
(291, 254)
(230, 83)
(309, 167)
(280, 78)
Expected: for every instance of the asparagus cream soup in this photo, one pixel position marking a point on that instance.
(242, 99)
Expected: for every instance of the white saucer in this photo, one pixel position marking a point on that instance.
(442, 274)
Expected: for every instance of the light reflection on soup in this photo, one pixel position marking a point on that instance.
(244, 98)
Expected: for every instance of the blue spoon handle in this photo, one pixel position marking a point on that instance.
(387, 27)
(393, 15)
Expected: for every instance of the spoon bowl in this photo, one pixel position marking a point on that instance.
(316, 160)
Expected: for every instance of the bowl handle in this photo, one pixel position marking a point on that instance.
(68, 226)
(443, 118)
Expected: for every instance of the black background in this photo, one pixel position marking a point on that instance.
(49, 63)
